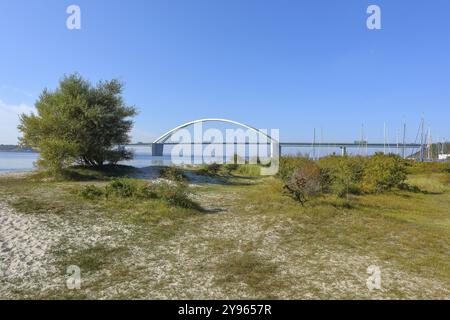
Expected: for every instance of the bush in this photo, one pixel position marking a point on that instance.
(305, 182)
(230, 167)
(176, 194)
(147, 191)
(384, 172)
(288, 164)
(121, 187)
(211, 169)
(91, 192)
(172, 173)
(345, 173)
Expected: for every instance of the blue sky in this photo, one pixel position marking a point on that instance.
(293, 65)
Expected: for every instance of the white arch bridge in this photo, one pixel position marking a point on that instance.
(158, 144)
(275, 146)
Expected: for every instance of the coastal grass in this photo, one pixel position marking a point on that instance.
(248, 240)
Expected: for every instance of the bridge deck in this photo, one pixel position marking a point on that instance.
(298, 144)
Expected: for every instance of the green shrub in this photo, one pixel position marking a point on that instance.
(91, 192)
(172, 173)
(288, 164)
(304, 182)
(214, 168)
(121, 187)
(345, 173)
(175, 194)
(147, 191)
(230, 167)
(211, 169)
(384, 172)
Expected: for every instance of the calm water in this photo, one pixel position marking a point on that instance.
(24, 161)
(17, 161)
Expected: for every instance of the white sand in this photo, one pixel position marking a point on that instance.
(24, 244)
(28, 242)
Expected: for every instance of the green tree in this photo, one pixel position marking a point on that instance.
(79, 123)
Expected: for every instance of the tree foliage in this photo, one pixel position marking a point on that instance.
(79, 123)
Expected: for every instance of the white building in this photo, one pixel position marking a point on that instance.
(444, 156)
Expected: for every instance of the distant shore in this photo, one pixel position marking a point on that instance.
(14, 148)
(14, 174)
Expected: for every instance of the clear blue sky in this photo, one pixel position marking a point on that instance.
(292, 65)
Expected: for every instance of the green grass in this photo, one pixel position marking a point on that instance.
(91, 259)
(250, 269)
(250, 241)
(83, 173)
(430, 182)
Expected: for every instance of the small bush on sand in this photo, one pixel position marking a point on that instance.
(91, 192)
(288, 164)
(345, 173)
(172, 173)
(384, 172)
(211, 169)
(147, 191)
(121, 187)
(229, 168)
(176, 194)
(304, 182)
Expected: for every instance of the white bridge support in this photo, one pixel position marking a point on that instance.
(157, 149)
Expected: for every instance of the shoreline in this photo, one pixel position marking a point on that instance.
(14, 174)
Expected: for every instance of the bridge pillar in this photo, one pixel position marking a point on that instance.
(157, 149)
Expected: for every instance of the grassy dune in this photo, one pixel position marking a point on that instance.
(247, 240)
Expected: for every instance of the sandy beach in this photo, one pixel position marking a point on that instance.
(151, 250)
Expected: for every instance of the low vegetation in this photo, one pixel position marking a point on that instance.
(342, 176)
(428, 167)
(176, 194)
(305, 181)
(173, 173)
(228, 169)
(239, 240)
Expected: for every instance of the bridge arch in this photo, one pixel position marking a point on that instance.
(169, 133)
(158, 144)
